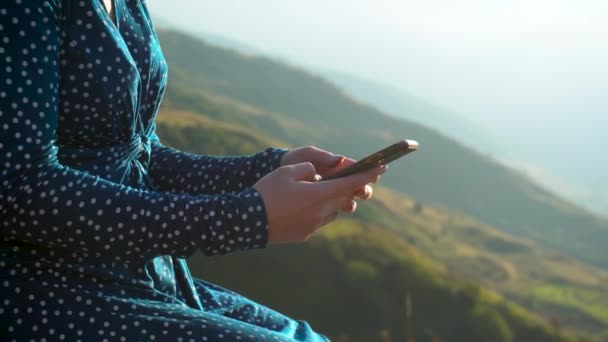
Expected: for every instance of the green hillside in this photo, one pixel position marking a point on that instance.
(543, 281)
(358, 280)
(560, 288)
(299, 108)
(469, 249)
(358, 283)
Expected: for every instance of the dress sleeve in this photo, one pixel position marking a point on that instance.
(176, 171)
(46, 203)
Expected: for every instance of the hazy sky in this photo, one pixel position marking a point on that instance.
(489, 58)
(535, 71)
(442, 43)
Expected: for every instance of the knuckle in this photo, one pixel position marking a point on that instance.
(352, 206)
(309, 166)
(308, 149)
(284, 170)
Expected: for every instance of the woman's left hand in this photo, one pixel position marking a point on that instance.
(326, 163)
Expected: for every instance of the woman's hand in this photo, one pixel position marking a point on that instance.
(325, 164)
(297, 204)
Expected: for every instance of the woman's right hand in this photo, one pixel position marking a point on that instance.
(297, 203)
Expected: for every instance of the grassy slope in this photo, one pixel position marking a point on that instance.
(299, 108)
(336, 270)
(517, 267)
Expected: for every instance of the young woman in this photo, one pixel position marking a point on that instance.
(97, 216)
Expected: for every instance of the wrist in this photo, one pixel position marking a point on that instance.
(278, 157)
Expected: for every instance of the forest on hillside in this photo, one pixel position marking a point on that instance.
(430, 258)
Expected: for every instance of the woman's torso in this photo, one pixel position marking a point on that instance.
(112, 79)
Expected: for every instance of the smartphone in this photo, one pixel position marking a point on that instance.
(382, 157)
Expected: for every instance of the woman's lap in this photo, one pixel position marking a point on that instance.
(55, 309)
(235, 306)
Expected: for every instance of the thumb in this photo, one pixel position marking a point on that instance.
(325, 160)
(331, 160)
(350, 184)
(303, 172)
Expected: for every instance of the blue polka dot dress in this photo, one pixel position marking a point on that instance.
(96, 215)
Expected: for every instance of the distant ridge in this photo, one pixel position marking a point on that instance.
(304, 108)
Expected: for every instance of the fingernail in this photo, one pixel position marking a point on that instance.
(337, 159)
(383, 169)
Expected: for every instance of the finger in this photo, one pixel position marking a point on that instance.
(350, 207)
(322, 158)
(350, 184)
(342, 164)
(347, 162)
(333, 160)
(365, 193)
(327, 161)
(303, 171)
(377, 179)
(327, 219)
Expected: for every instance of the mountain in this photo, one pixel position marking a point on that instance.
(568, 173)
(545, 94)
(556, 171)
(300, 108)
(196, 118)
(361, 278)
(394, 101)
(557, 287)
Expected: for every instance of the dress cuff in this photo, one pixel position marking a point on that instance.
(272, 160)
(252, 233)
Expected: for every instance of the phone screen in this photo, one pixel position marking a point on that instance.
(382, 157)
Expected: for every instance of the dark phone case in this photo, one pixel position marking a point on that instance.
(382, 157)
